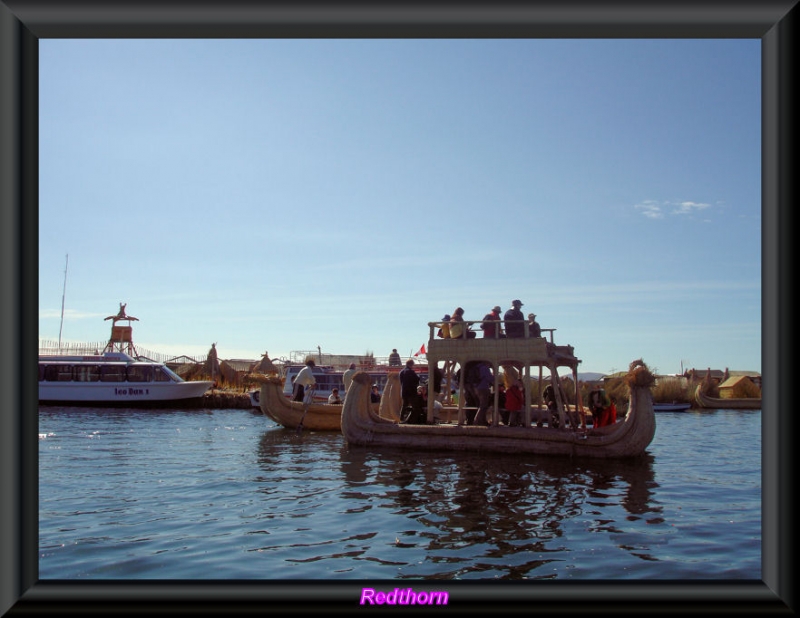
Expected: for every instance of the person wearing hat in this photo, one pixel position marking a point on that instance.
(491, 326)
(514, 320)
(444, 327)
(534, 330)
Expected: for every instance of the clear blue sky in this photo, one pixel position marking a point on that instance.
(279, 195)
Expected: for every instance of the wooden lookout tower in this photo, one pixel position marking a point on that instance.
(121, 336)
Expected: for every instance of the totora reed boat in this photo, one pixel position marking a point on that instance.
(705, 400)
(726, 403)
(629, 437)
(292, 414)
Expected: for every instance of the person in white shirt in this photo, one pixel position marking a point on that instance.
(304, 380)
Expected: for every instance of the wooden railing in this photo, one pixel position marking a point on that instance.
(468, 324)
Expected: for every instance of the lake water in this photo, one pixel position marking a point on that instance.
(228, 494)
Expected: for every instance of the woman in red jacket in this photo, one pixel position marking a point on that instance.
(515, 397)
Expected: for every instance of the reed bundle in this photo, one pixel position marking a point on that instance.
(639, 375)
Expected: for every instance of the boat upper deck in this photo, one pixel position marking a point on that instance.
(499, 350)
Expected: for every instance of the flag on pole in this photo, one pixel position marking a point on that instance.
(421, 351)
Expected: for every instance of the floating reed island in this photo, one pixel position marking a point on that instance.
(215, 399)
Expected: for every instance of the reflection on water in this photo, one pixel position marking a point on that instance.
(225, 494)
(511, 512)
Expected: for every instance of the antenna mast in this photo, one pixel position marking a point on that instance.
(63, 295)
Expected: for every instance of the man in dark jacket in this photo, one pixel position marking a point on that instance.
(515, 321)
(409, 380)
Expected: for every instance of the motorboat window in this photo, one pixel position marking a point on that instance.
(86, 373)
(55, 373)
(165, 374)
(112, 373)
(379, 379)
(328, 382)
(140, 373)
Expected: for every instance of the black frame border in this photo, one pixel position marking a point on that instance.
(23, 23)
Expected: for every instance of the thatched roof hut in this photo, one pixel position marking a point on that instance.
(738, 387)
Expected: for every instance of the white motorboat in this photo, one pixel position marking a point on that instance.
(112, 378)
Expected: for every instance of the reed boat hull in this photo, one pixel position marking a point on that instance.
(721, 403)
(627, 438)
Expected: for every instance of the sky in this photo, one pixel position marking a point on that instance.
(277, 195)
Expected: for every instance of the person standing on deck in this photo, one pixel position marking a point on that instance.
(409, 381)
(501, 402)
(492, 329)
(549, 397)
(515, 321)
(483, 389)
(305, 379)
(437, 379)
(515, 399)
(394, 358)
(347, 376)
